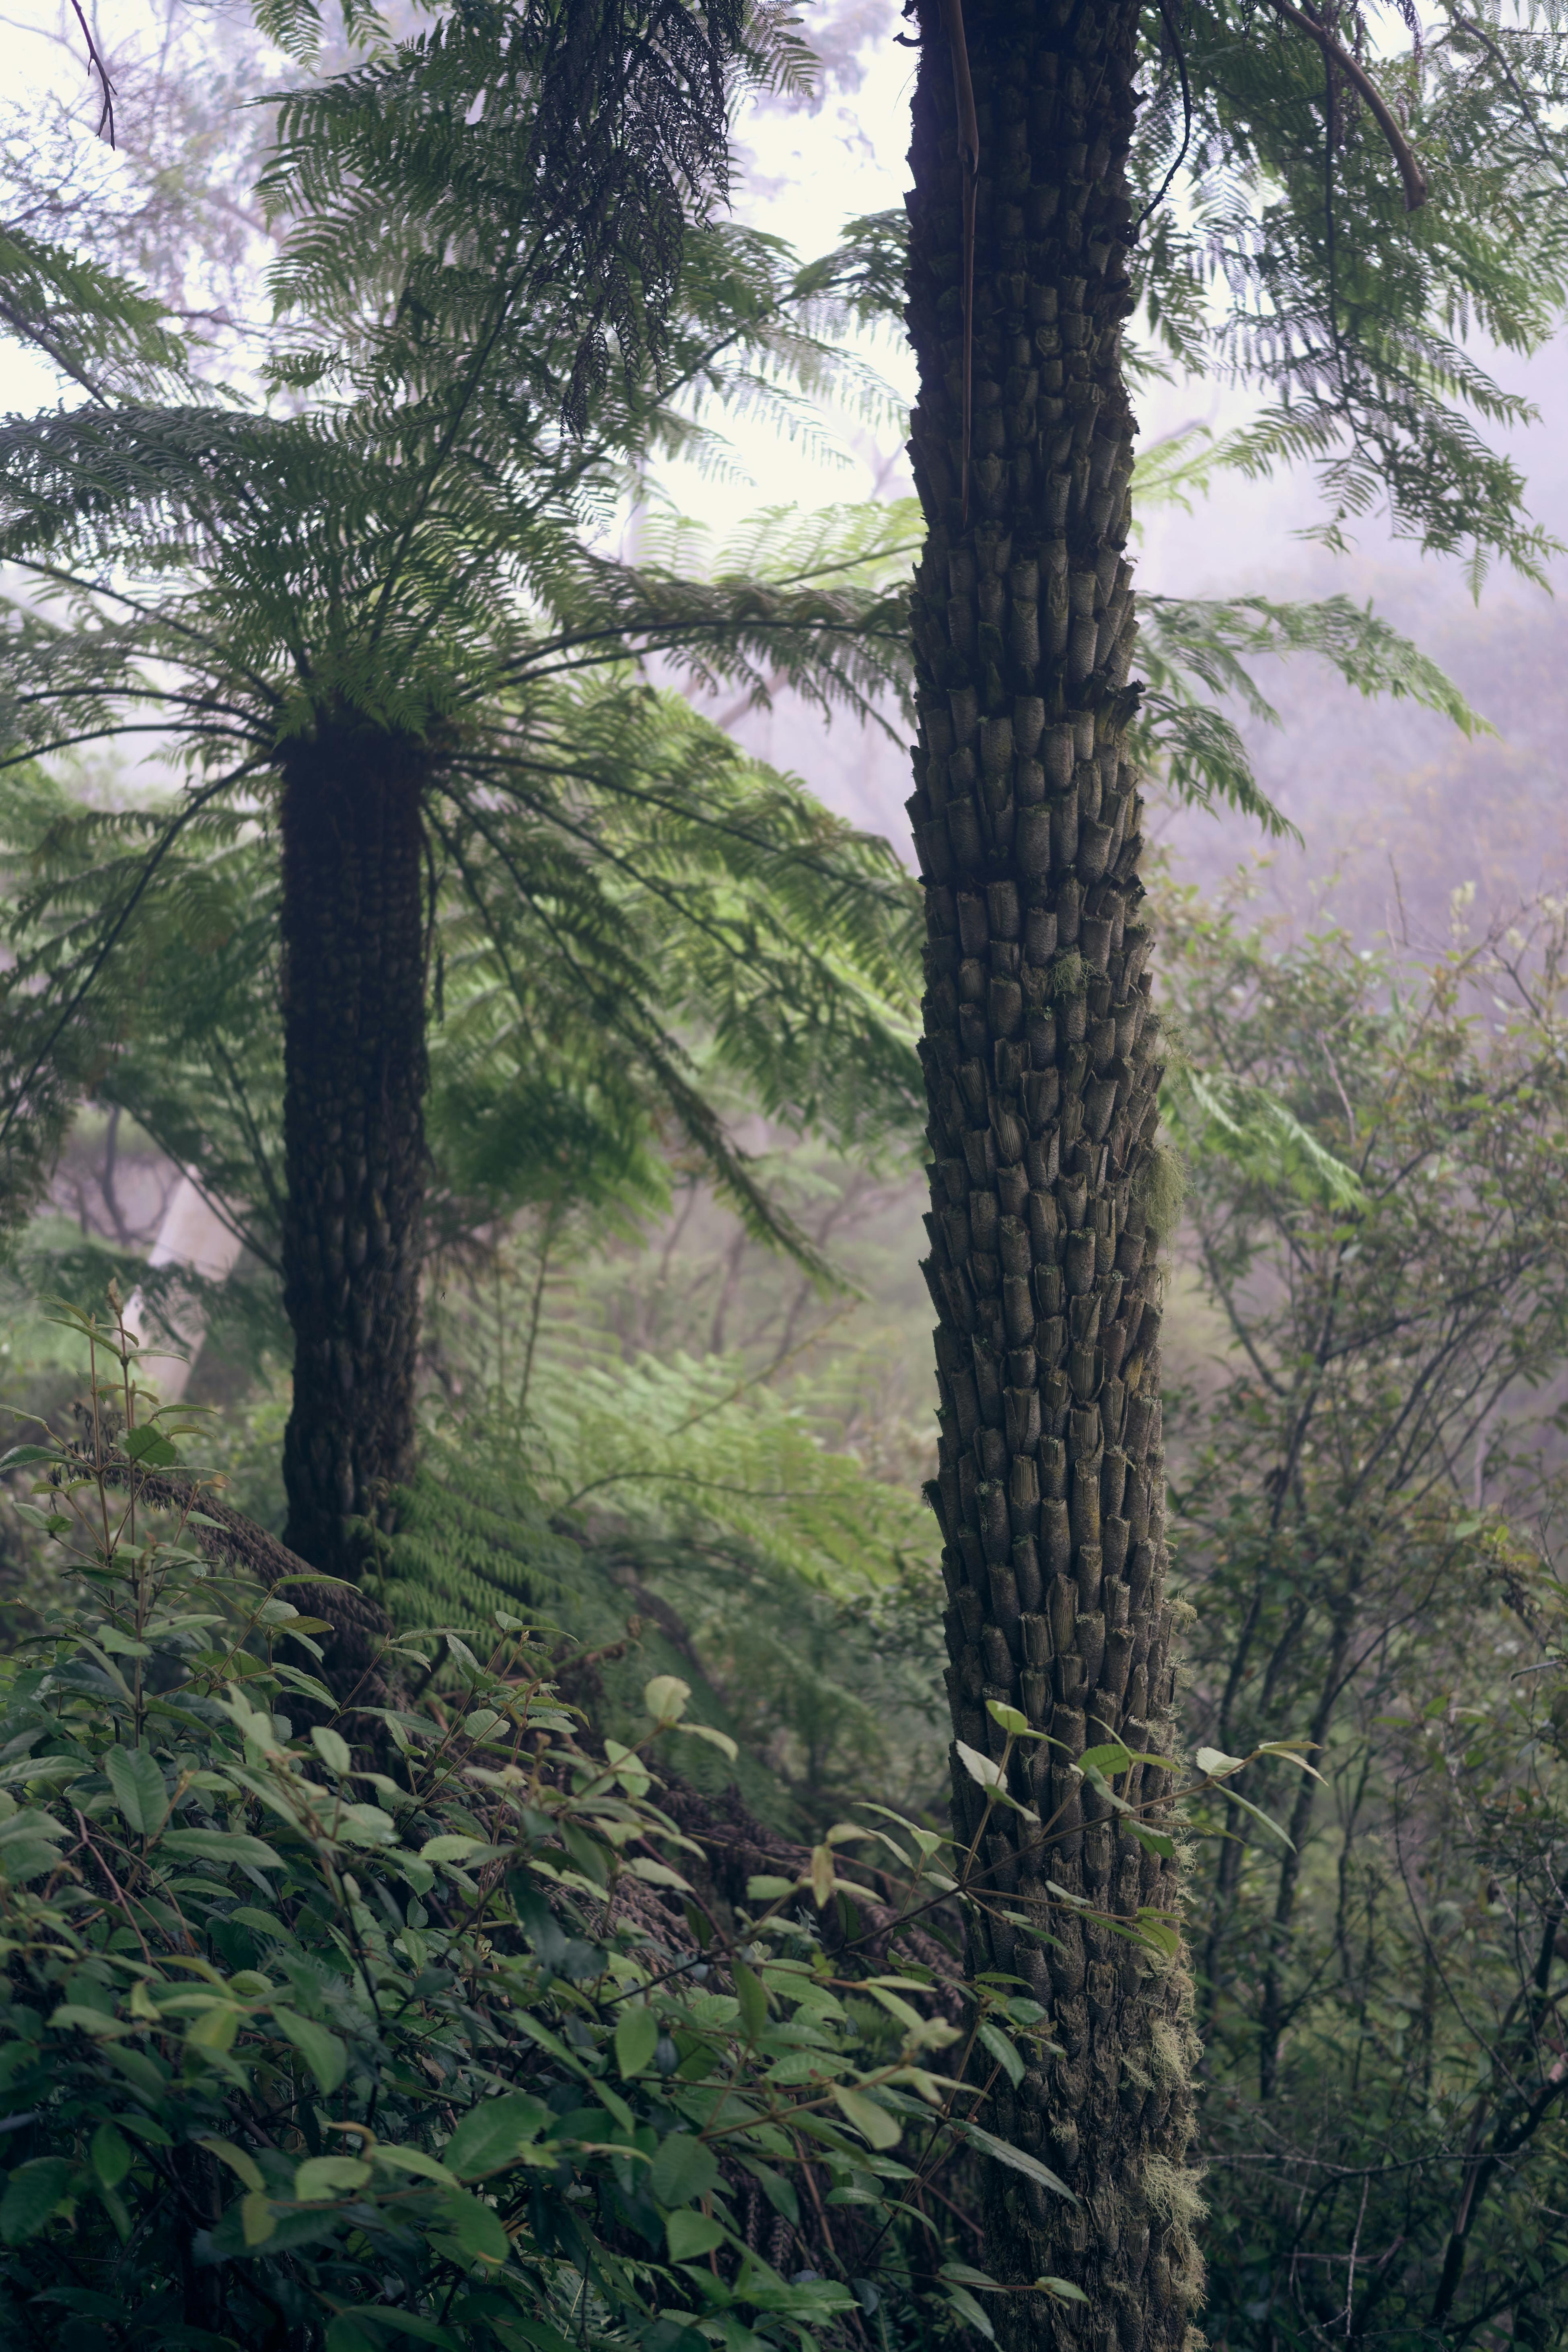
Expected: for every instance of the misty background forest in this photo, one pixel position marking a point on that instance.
(568, 1777)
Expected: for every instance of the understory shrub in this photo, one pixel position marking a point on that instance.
(325, 2026)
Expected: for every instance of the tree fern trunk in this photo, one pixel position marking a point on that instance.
(353, 994)
(1040, 1064)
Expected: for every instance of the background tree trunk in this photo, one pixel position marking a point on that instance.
(1041, 1076)
(354, 1013)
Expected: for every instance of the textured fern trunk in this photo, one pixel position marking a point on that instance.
(355, 1079)
(1040, 1064)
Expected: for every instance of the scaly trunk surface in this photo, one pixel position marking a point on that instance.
(1040, 1054)
(355, 1078)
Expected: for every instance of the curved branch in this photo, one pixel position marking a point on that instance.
(1410, 172)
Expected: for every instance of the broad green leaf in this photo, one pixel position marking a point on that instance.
(323, 2177)
(1004, 2153)
(1015, 1725)
(665, 1698)
(752, 1999)
(332, 1748)
(873, 2122)
(636, 2038)
(321, 2051)
(258, 2221)
(682, 2169)
(691, 2233)
(477, 2227)
(33, 2194)
(137, 1780)
(112, 2155)
(979, 1768)
(763, 1889)
(449, 1848)
(1063, 2289)
(1217, 1763)
(488, 2136)
(214, 2027)
(149, 1446)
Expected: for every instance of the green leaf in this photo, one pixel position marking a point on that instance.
(415, 2160)
(720, 1739)
(137, 1780)
(691, 2233)
(763, 1889)
(961, 2301)
(220, 1845)
(332, 1748)
(873, 2122)
(490, 2136)
(450, 1848)
(752, 1998)
(636, 2038)
(1063, 2289)
(33, 2193)
(112, 2155)
(979, 1768)
(238, 2161)
(682, 2170)
(323, 2177)
(321, 2051)
(149, 1446)
(477, 2227)
(1217, 1763)
(22, 1457)
(666, 1698)
(1004, 2153)
(258, 2221)
(1002, 2050)
(1015, 1725)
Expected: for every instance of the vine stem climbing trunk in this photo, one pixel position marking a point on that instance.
(1040, 1052)
(355, 1082)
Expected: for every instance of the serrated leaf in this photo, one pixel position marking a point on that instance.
(332, 1748)
(321, 2177)
(137, 1780)
(873, 2122)
(477, 2228)
(490, 2136)
(979, 1768)
(691, 2233)
(321, 2051)
(683, 2169)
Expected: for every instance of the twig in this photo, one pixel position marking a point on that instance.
(1181, 59)
(1410, 170)
(96, 65)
